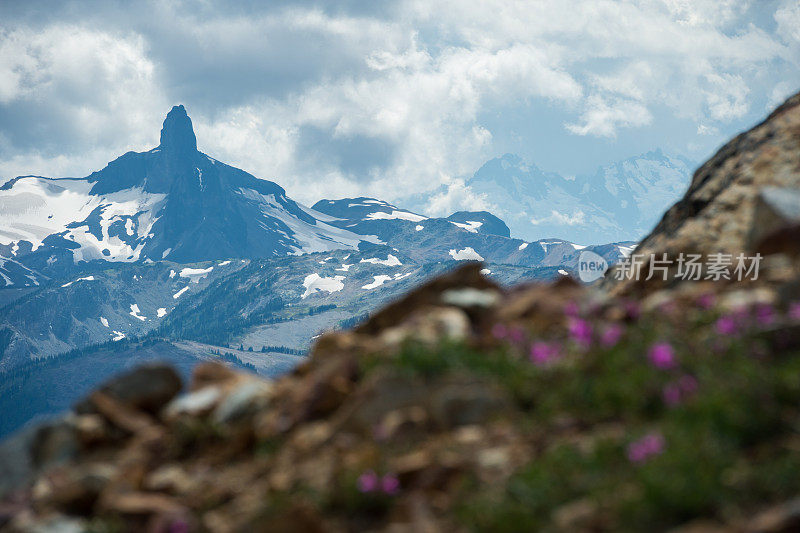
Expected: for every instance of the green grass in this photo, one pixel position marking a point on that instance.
(730, 447)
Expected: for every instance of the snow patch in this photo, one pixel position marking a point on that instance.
(87, 278)
(377, 281)
(104, 321)
(136, 313)
(390, 260)
(161, 311)
(195, 274)
(467, 254)
(485, 271)
(522, 246)
(470, 225)
(419, 227)
(394, 215)
(345, 267)
(180, 292)
(224, 263)
(314, 283)
(118, 336)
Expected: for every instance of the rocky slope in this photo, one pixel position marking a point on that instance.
(465, 406)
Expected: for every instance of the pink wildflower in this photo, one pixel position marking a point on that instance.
(794, 310)
(671, 394)
(688, 384)
(390, 484)
(726, 325)
(648, 446)
(368, 481)
(765, 314)
(499, 331)
(580, 331)
(516, 335)
(706, 301)
(611, 335)
(633, 310)
(380, 432)
(543, 352)
(572, 310)
(662, 356)
(179, 526)
(677, 391)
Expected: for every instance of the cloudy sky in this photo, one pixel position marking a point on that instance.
(388, 98)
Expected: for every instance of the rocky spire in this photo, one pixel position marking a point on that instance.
(177, 134)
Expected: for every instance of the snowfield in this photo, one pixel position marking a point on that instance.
(402, 215)
(377, 281)
(316, 283)
(34, 208)
(87, 278)
(195, 274)
(390, 260)
(470, 225)
(136, 313)
(467, 254)
(180, 292)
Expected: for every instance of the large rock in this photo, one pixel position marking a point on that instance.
(732, 202)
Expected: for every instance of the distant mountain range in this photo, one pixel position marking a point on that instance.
(175, 247)
(620, 201)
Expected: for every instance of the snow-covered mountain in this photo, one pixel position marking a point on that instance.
(620, 201)
(174, 243)
(172, 202)
(476, 235)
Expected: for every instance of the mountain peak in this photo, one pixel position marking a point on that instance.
(177, 134)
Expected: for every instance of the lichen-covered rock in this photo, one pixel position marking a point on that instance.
(731, 204)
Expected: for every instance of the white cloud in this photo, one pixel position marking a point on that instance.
(457, 196)
(779, 94)
(99, 91)
(565, 219)
(602, 118)
(726, 97)
(418, 80)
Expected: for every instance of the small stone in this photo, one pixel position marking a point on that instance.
(90, 429)
(783, 518)
(461, 404)
(73, 490)
(169, 478)
(467, 297)
(575, 516)
(242, 400)
(141, 503)
(775, 208)
(146, 388)
(212, 373)
(197, 403)
(119, 414)
(54, 444)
